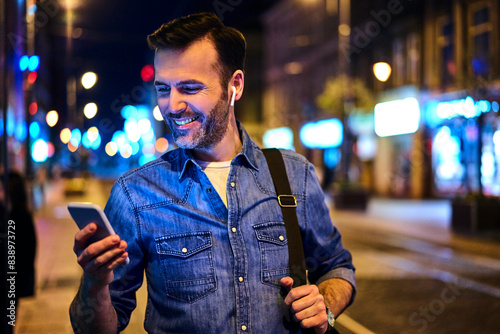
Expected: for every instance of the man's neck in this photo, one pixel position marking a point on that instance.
(225, 150)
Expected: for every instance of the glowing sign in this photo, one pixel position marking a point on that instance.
(467, 108)
(397, 117)
(279, 137)
(322, 134)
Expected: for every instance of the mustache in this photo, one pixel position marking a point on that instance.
(182, 115)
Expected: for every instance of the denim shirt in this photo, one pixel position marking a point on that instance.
(212, 269)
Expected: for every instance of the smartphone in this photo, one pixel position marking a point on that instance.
(84, 213)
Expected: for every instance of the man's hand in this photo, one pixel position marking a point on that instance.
(100, 258)
(306, 305)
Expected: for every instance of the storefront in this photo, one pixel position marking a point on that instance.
(465, 138)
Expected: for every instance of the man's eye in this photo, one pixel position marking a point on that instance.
(163, 89)
(191, 90)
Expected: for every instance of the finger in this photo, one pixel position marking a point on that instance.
(103, 261)
(319, 323)
(97, 248)
(309, 308)
(287, 283)
(82, 237)
(298, 293)
(306, 297)
(113, 263)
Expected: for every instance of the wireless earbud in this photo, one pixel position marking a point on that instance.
(234, 95)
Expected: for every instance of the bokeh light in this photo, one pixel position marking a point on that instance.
(72, 147)
(90, 110)
(34, 129)
(111, 148)
(51, 149)
(65, 135)
(33, 108)
(32, 77)
(40, 151)
(157, 114)
(128, 111)
(34, 63)
(147, 72)
(88, 80)
(93, 133)
(52, 118)
(23, 63)
(126, 151)
(76, 138)
(382, 71)
(161, 144)
(144, 125)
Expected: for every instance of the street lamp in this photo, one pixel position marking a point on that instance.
(382, 71)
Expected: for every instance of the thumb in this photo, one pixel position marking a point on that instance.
(287, 282)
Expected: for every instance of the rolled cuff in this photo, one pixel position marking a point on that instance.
(343, 273)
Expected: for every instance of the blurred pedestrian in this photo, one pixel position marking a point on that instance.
(26, 241)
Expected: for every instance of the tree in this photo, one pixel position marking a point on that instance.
(341, 98)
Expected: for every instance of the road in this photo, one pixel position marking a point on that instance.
(414, 275)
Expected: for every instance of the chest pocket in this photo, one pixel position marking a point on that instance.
(188, 265)
(273, 252)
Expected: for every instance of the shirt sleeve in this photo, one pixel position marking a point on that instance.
(325, 255)
(128, 278)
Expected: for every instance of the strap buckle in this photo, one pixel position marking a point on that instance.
(287, 201)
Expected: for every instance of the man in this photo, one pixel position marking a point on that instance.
(203, 221)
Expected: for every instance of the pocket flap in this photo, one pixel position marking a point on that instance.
(273, 232)
(183, 245)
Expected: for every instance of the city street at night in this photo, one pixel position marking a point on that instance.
(225, 122)
(414, 275)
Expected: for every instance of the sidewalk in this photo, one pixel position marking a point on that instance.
(57, 272)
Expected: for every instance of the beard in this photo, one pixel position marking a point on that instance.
(214, 126)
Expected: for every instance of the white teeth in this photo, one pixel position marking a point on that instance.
(185, 121)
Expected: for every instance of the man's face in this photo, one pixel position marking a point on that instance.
(190, 97)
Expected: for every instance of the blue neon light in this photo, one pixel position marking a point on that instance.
(34, 63)
(322, 134)
(23, 63)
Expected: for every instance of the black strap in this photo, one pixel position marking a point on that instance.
(288, 204)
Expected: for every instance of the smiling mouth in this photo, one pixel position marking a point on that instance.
(186, 121)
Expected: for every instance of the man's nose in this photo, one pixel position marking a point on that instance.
(176, 103)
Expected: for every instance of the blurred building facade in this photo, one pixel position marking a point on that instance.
(442, 54)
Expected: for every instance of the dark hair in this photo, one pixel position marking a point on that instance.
(228, 42)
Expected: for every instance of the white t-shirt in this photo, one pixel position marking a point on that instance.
(217, 173)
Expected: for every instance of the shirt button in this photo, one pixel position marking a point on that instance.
(281, 237)
(209, 190)
(233, 229)
(243, 328)
(184, 250)
(240, 279)
(233, 184)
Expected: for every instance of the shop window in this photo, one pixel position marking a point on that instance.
(399, 62)
(413, 46)
(446, 55)
(480, 37)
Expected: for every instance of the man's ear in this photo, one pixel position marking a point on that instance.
(238, 82)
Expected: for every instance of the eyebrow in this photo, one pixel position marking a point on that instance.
(183, 82)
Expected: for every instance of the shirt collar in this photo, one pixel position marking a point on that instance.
(248, 153)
